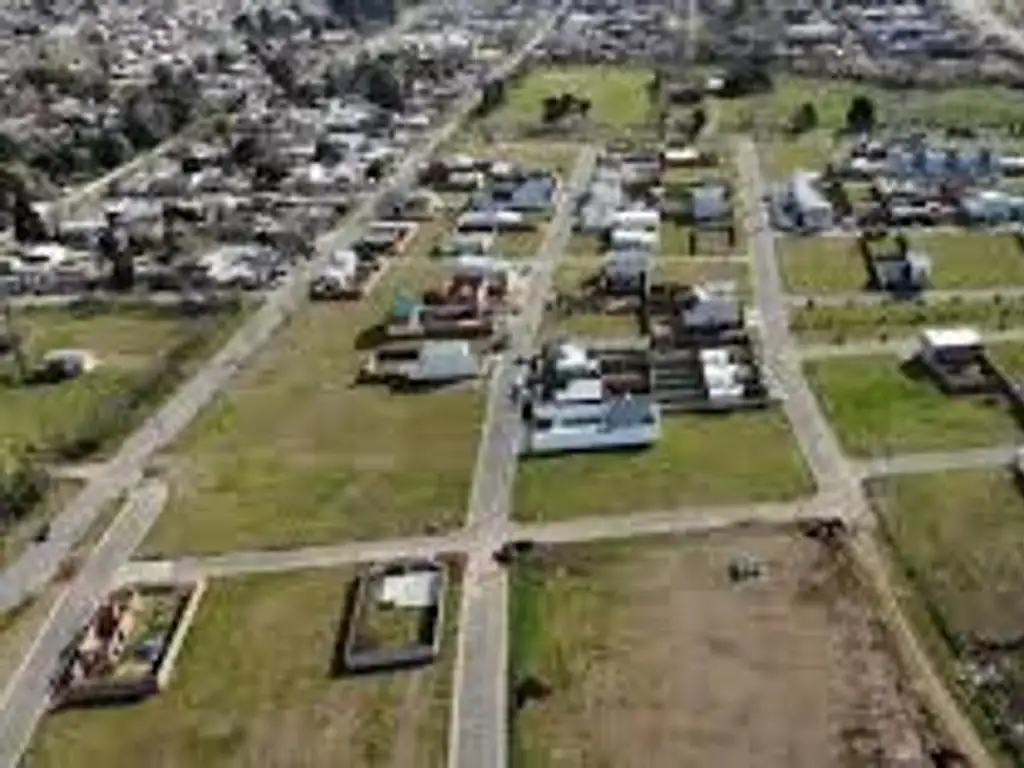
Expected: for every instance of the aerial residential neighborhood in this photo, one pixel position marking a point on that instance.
(525, 383)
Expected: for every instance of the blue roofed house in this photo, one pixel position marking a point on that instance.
(570, 410)
(533, 193)
(710, 203)
(991, 207)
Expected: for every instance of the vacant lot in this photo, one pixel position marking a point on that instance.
(955, 539)
(960, 260)
(961, 533)
(653, 657)
(878, 408)
(696, 462)
(255, 686)
(618, 95)
(128, 342)
(296, 453)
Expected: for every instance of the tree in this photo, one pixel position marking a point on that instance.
(110, 149)
(749, 76)
(145, 121)
(804, 119)
(698, 119)
(551, 109)
(28, 225)
(247, 151)
(112, 251)
(860, 117)
(381, 87)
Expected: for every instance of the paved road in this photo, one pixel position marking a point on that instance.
(939, 461)
(479, 720)
(931, 296)
(26, 698)
(817, 441)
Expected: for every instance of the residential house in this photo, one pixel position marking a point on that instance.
(809, 208)
(614, 424)
(625, 272)
(709, 307)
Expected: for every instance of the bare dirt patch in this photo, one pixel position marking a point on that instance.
(654, 657)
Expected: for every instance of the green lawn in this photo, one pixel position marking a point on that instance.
(877, 409)
(696, 462)
(254, 686)
(807, 152)
(295, 453)
(618, 94)
(961, 260)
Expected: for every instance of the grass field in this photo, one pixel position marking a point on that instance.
(808, 152)
(961, 533)
(966, 106)
(876, 408)
(653, 657)
(295, 453)
(954, 539)
(696, 462)
(255, 686)
(126, 341)
(618, 95)
(960, 260)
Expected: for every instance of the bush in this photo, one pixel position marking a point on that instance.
(23, 484)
